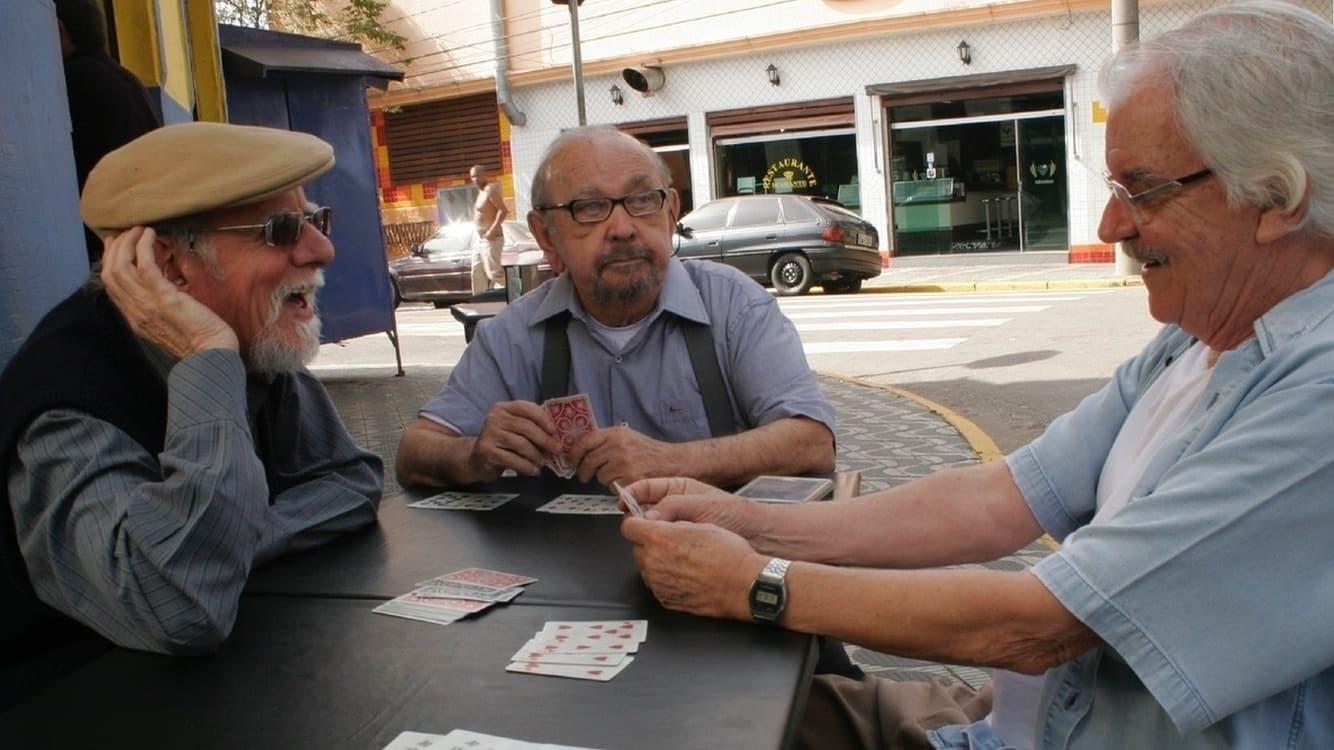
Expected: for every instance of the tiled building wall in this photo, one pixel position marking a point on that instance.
(846, 68)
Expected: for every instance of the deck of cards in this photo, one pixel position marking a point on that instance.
(581, 650)
(453, 596)
(574, 418)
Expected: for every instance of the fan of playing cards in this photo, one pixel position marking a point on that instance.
(581, 650)
(453, 596)
(574, 418)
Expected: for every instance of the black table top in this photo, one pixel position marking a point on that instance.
(329, 673)
(577, 559)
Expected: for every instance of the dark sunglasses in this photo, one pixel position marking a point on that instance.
(284, 228)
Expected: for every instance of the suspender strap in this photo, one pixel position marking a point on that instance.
(717, 404)
(555, 359)
(699, 343)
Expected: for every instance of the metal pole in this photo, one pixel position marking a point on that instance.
(1125, 31)
(578, 60)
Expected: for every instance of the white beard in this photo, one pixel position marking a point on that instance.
(276, 349)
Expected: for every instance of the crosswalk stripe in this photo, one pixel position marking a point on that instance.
(901, 325)
(900, 345)
(916, 311)
(917, 300)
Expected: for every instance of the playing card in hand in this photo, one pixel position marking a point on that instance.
(574, 418)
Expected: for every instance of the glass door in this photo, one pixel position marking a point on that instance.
(1043, 198)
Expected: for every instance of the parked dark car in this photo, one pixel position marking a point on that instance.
(789, 242)
(439, 270)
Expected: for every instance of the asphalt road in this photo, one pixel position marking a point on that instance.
(1009, 362)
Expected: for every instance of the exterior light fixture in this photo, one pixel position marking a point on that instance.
(616, 97)
(965, 53)
(774, 80)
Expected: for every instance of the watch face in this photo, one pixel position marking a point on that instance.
(766, 601)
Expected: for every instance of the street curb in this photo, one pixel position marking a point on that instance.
(977, 438)
(1006, 286)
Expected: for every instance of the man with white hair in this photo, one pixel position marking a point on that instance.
(158, 431)
(1190, 603)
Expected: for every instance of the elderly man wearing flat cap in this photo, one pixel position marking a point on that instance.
(160, 434)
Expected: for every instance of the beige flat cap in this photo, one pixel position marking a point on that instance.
(194, 167)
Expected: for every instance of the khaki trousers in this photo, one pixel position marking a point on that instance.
(880, 714)
(487, 271)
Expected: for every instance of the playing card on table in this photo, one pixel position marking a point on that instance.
(580, 659)
(463, 739)
(464, 501)
(461, 590)
(601, 674)
(590, 644)
(439, 611)
(593, 505)
(483, 577)
(636, 630)
(574, 418)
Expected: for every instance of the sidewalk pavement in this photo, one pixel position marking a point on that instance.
(891, 436)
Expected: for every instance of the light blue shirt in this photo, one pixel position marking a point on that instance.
(1213, 589)
(649, 385)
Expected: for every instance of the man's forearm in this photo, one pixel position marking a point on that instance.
(787, 446)
(951, 517)
(431, 456)
(1004, 619)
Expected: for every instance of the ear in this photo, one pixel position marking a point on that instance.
(172, 262)
(1278, 222)
(674, 205)
(537, 224)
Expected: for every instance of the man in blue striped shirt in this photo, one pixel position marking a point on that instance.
(160, 434)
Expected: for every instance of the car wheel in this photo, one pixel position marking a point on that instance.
(398, 295)
(791, 274)
(843, 286)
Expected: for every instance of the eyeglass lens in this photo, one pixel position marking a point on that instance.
(285, 228)
(593, 210)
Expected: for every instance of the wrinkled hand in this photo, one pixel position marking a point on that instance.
(682, 499)
(516, 435)
(155, 308)
(692, 567)
(619, 454)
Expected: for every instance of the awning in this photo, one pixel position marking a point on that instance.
(964, 83)
(258, 53)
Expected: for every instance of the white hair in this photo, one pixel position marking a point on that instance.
(539, 194)
(1254, 93)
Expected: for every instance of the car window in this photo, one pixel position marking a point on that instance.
(842, 212)
(755, 212)
(709, 216)
(796, 209)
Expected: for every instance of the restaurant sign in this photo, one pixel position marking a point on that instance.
(790, 172)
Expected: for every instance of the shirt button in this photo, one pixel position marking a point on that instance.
(625, 424)
(618, 360)
(1071, 700)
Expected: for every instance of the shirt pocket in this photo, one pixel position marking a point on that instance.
(683, 418)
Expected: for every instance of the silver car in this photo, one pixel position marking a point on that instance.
(439, 270)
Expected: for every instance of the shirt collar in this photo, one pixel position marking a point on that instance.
(678, 296)
(1295, 315)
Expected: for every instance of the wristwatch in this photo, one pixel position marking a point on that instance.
(768, 595)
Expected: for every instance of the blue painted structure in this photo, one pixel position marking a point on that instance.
(318, 86)
(42, 255)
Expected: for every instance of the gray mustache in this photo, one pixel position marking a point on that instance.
(631, 252)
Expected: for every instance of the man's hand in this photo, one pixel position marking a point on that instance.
(683, 499)
(695, 568)
(619, 454)
(154, 307)
(516, 435)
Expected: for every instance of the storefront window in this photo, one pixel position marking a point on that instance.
(820, 163)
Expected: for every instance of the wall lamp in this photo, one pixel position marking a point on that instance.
(616, 97)
(774, 80)
(965, 53)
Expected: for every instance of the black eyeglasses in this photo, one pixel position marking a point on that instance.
(284, 228)
(1145, 203)
(595, 210)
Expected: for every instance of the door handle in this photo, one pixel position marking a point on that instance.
(713, 243)
(770, 236)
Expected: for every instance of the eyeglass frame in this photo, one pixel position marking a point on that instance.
(612, 203)
(1132, 200)
(321, 217)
